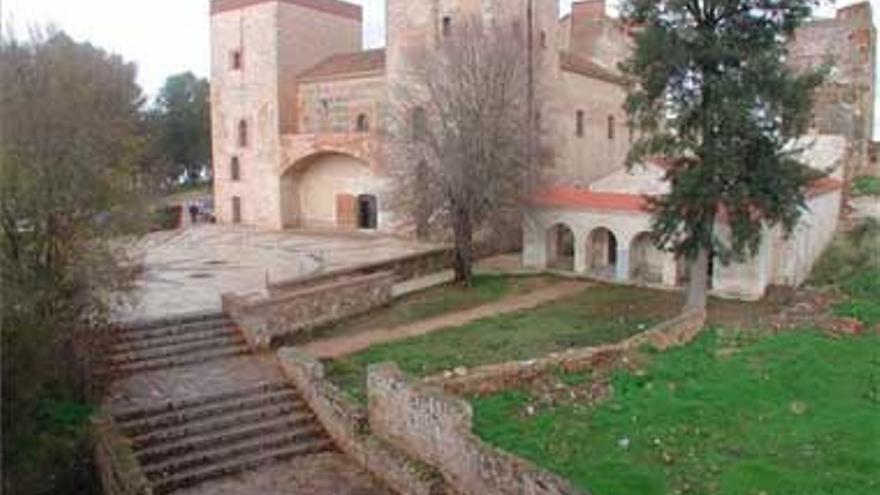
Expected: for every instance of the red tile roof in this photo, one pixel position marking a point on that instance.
(578, 64)
(575, 197)
(347, 64)
(335, 7)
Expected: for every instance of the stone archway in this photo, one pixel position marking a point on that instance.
(327, 191)
(602, 251)
(560, 247)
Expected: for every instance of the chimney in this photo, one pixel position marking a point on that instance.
(588, 10)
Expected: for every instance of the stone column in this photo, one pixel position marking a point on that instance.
(580, 254)
(621, 272)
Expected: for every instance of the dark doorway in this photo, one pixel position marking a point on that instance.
(612, 250)
(368, 212)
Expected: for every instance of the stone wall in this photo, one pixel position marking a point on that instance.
(115, 461)
(346, 422)
(497, 377)
(266, 316)
(403, 268)
(436, 428)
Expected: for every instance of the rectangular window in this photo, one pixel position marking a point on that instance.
(579, 124)
(236, 210)
(235, 169)
(611, 127)
(242, 133)
(447, 26)
(237, 60)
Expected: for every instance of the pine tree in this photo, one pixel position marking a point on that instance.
(711, 93)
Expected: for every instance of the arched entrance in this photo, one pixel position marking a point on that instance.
(602, 253)
(330, 191)
(560, 247)
(645, 260)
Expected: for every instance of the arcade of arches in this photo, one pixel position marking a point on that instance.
(330, 191)
(603, 254)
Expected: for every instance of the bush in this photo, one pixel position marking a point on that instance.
(866, 185)
(167, 218)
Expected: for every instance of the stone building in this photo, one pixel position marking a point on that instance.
(297, 102)
(845, 103)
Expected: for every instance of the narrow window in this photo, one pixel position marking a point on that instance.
(236, 210)
(579, 124)
(419, 123)
(242, 133)
(237, 60)
(543, 40)
(611, 127)
(517, 28)
(362, 124)
(235, 169)
(447, 26)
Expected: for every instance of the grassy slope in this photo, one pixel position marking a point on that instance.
(596, 315)
(796, 413)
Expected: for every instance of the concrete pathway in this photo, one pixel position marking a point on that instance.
(350, 344)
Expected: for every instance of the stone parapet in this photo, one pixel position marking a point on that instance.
(494, 378)
(269, 315)
(117, 466)
(436, 428)
(346, 422)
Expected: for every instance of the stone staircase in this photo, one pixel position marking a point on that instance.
(172, 343)
(183, 443)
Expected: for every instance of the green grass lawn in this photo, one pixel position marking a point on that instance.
(433, 302)
(866, 186)
(596, 315)
(795, 413)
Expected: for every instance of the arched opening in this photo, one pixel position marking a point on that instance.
(368, 212)
(560, 247)
(330, 191)
(362, 124)
(602, 253)
(645, 260)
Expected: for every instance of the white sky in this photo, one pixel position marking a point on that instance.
(165, 37)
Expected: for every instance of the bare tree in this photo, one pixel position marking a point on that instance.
(459, 137)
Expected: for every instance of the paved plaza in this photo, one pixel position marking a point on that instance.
(186, 271)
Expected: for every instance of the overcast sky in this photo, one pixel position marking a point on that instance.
(165, 37)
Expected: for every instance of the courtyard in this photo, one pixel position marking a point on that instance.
(186, 271)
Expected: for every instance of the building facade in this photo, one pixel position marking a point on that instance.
(297, 106)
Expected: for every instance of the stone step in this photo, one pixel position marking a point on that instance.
(211, 410)
(122, 416)
(178, 361)
(129, 335)
(227, 452)
(153, 342)
(234, 434)
(190, 477)
(289, 411)
(181, 349)
(172, 321)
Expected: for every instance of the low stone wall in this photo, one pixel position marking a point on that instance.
(120, 472)
(494, 378)
(346, 422)
(403, 268)
(436, 428)
(264, 316)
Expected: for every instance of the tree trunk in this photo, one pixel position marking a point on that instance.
(463, 257)
(698, 283)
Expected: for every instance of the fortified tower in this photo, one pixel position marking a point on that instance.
(257, 49)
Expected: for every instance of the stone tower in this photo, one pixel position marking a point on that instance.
(257, 49)
(845, 103)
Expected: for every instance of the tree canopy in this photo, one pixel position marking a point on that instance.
(711, 94)
(182, 126)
